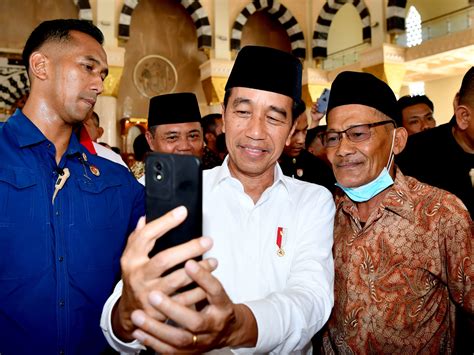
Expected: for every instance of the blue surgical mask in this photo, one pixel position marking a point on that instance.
(366, 192)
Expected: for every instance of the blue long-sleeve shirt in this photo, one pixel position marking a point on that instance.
(58, 262)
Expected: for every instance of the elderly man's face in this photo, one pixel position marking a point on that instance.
(257, 124)
(358, 163)
(177, 138)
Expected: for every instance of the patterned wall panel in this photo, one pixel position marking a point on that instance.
(14, 85)
(329, 10)
(278, 12)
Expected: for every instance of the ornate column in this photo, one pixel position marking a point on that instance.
(314, 82)
(377, 19)
(386, 62)
(221, 30)
(216, 70)
(106, 106)
(214, 74)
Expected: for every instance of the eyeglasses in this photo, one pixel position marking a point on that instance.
(355, 134)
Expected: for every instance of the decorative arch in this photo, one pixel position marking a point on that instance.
(85, 11)
(192, 7)
(278, 12)
(330, 8)
(396, 16)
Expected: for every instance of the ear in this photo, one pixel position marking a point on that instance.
(100, 132)
(463, 116)
(38, 65)
(293, 127)
(401, 136)
(456, 101)
(150, 140)
(223, 117)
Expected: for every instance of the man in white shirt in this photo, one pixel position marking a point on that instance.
(272, 236)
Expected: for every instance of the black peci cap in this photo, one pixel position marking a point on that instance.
(173, 108)
(268, 69)
(364, 89)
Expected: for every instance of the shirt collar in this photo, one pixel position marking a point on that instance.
(398, 200)
(24, 130)
(224, 174)
(27, 134)
(75, 147)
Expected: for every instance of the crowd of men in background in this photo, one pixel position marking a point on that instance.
(360, 230)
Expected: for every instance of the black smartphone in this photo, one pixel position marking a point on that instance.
(173, 180)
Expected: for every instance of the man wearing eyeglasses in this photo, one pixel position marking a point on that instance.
(402, 249)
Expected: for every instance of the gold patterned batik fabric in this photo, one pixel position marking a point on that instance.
(399, 277)
(138, 169)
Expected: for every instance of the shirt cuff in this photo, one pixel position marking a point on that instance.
(133, 347)
(268, 336)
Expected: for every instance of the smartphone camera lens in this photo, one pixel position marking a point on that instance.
(159, 171)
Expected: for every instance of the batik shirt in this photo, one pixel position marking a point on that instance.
(400, 275)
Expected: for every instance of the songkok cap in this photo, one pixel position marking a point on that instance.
(268, 69)
(364, 89)
(173, 108)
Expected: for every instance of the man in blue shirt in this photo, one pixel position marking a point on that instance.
(64, 214)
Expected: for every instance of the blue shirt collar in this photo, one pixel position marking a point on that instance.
(27, 134)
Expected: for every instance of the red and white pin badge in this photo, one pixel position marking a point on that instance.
(281, 241)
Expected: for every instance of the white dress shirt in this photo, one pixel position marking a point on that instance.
(109, 154)
(290, 295)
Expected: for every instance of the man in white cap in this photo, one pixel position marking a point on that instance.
(272, 236)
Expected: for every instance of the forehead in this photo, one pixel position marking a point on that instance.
(345, 116)
(302, 121)
(82, 44)
(421, 107)
(178, 127)
(262, 97)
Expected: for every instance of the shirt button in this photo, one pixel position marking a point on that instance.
(57, 213)
(61, 303)
(61, 352)
(61, 258)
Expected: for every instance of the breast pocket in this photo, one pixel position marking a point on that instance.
(97, 242)
(23, 238)
(102, 202)
(18, 191)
